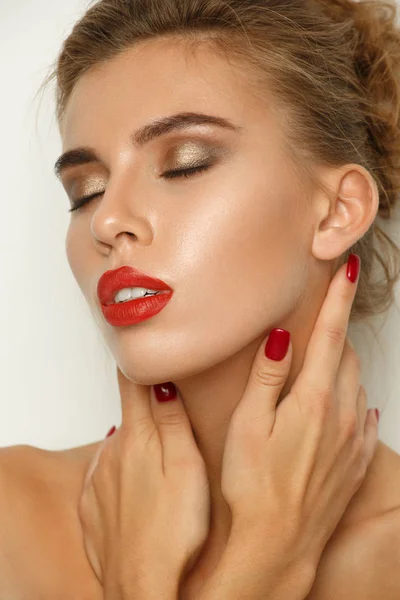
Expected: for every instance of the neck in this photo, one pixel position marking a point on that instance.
(210, 399)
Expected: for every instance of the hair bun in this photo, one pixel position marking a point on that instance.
(375, 37)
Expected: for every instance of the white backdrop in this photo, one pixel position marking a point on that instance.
(57, 380)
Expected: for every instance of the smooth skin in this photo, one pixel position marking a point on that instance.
(213, 238)
(289, 472)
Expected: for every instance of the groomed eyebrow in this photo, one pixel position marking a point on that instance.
(145, 134)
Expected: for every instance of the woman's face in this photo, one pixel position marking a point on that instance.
(232, 241)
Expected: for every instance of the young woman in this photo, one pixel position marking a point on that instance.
(223, 161)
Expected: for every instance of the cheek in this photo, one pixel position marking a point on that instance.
(78, 256)
(251, 265)
(238, 273)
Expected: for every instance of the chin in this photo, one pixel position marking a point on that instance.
(150, 366)
(150, 370)
(175, 354)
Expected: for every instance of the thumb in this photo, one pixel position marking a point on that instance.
(173, 424)
(94, 462)
(256, 410)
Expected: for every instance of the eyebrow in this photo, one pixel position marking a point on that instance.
(145, 134)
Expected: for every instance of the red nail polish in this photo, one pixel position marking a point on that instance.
(277, 344)
(165, 391)
(353, 267)
(377, 414)
(113, 428)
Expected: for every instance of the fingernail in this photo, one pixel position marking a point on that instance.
(353, 267)
(277, 344)
(377, 414)
(165, 391)
(113, 428)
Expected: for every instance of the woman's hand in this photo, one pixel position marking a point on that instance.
(145, 502)
(290, 469)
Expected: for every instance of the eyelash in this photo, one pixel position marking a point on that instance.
(178, 173)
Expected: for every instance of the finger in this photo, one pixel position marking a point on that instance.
(348, 381)
(362, 409)
(371, 435)
(135, 402)
(255, 413)
(94, 462)
(174, 427)
(325, 348)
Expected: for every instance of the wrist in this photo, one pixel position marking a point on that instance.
(148, 586)
(250, 571)
(136, 592)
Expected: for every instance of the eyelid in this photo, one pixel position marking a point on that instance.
(87, 186)
(191, 152)
(185, 173)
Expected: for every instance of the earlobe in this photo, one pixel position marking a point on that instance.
(349, 213)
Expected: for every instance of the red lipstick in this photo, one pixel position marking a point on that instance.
(135, 310)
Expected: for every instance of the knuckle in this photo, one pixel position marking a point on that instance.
(171, 419)
(349, 425)
(322, 402)
(269, 378)
(133, 438)
(320, 413)
(141, 428)
(336, 333)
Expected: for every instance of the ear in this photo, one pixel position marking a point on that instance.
(348, 213)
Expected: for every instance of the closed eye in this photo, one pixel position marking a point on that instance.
(185, 172)
(77, 204)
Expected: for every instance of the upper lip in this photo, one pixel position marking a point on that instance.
(126, 277)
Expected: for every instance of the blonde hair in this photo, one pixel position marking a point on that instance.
(333, 65)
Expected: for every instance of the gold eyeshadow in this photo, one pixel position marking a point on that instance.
(186, 155)
(190, 154)
(92, 185)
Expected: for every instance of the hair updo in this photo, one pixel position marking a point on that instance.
(332, 65)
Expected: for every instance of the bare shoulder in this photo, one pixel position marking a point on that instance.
(362, 560)
(41, 548)
(365, 565)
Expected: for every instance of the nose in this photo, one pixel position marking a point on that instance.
(121, 214)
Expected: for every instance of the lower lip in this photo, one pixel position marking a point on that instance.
(135, 311)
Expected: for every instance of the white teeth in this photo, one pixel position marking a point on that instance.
(127, 294)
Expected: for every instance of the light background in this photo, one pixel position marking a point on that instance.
(58, 384)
